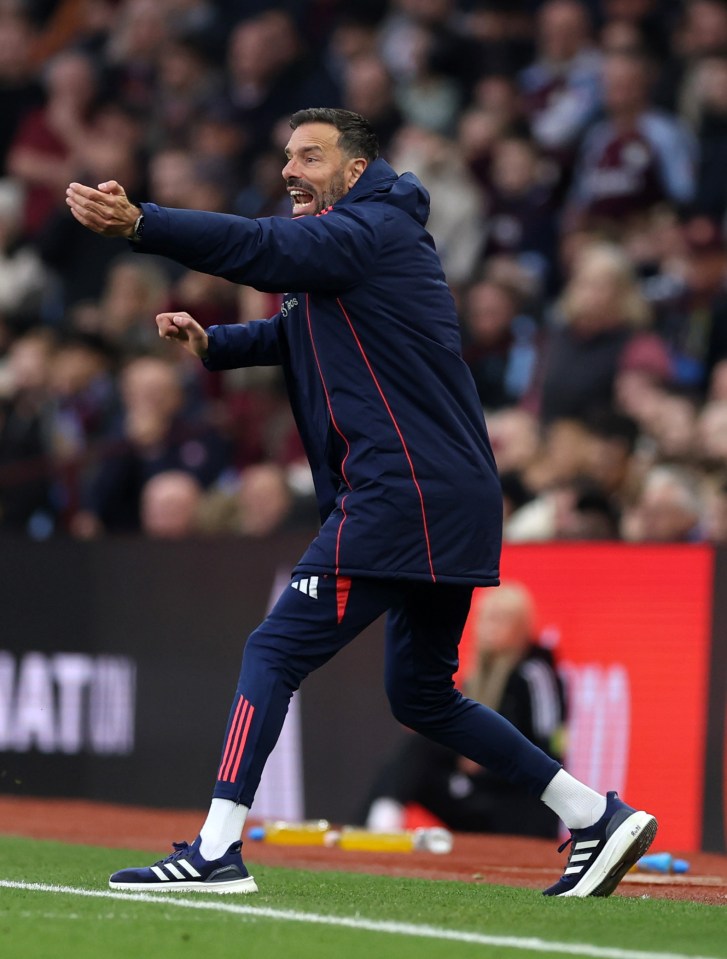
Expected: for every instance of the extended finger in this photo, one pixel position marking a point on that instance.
(80, 190)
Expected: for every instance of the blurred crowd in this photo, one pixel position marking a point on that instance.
(575, 153)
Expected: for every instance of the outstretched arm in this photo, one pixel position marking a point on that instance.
(275, 254)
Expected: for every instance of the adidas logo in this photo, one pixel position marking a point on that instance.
(162, 869)
(308, 586)
(581, 853)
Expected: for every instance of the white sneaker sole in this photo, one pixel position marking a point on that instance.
(233, 885)
(623, 850)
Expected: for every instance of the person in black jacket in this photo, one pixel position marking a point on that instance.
(512, 675)
(410, 501)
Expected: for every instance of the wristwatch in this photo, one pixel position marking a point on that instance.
(138, 229)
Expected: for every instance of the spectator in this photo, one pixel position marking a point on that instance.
(24, 281)
(515, 438)
(601, 309)
(669, 509)
(132, 52)
(26, 503)
(635, 158)
(692, 316)
(609, 448)
(186, 82)
(513, 675)
(562, 88)
(170, 505)
(134, 291)
(521, 219)
(457, 204)
(262, 502)
(709, 117)
(83, 394)
(699, 30)
(20, 93)
(499, 344)
(368, 89)
(150, 438)
(49, 147)
(271, 75)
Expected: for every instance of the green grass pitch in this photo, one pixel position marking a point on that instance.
(321, 915)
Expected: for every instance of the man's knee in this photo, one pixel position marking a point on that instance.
(422, 708)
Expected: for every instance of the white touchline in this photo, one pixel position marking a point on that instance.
(351, 922)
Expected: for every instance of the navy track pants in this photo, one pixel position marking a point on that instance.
(318, 615)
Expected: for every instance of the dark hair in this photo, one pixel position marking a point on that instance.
(357, 137)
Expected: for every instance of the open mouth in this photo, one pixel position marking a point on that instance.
(303, 201)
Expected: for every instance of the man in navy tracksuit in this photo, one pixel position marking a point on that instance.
(410, 501)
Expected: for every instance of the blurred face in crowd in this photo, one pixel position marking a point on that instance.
(505, 620)
(264, 498)
(368, 87)
(489, 314)
(704, 29)
(170, 505)
(625, 84)
(667, 511)
(601, 294)
(515, 166)
(261, 46)
(515, 438)
(318, 173)
(563, 30)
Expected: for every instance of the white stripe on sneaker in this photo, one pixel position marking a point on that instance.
(189, 867)
(586, 843)
(177, 873)
(159, 873)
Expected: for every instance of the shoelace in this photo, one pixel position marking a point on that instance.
(568, 841)
(180, 848)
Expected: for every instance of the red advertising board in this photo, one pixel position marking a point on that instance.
(631, 630)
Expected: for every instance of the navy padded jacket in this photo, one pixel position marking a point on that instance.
(369, 343)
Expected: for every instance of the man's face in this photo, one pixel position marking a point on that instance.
(318, 173)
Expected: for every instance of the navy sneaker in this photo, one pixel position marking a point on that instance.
(186, 870)
(602, 854)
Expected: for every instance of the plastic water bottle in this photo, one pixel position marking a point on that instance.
(281, 833)
(434, 839)
(662, 862)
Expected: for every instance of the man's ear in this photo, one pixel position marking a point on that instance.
(356, 169)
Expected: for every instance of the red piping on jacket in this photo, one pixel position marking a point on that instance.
(398, 433)
(333, 421)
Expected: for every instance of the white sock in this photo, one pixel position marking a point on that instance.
(577, 804)
(222, 827)
(385, 815)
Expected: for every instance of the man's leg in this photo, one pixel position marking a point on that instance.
(422, 639)
(423, 632)
(314, 618)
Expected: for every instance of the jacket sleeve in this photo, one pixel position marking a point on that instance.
(330, 252)
(244, 344)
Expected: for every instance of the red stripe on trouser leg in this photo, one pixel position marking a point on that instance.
(232, 738)
(241, 747)
(343, 588)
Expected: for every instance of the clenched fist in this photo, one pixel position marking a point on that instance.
(185, 329)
